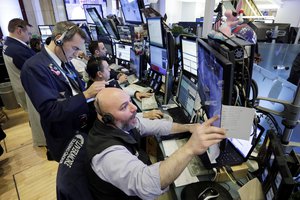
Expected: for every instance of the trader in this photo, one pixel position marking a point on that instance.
(54, 87)
(118, 168)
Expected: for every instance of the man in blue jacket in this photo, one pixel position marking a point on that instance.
(15, 53)
(55, 89)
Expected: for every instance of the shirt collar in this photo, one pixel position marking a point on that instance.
(19, 40)
(53, 56)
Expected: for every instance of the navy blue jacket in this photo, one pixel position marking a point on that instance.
(18, 51)
(62, 114)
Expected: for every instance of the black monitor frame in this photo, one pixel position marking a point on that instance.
(137, 4)
(101, 29)
(128, 39)
(193, 40)
(108, 45)
(228, 75)
(160, 31)
(85, 28)
(111, 28)
(92, 29)
(87, 16)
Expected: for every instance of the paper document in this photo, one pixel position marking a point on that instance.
(237, 121)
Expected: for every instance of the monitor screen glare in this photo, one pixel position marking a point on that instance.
(189, 56)
(155, 31)
(159, 59)
(131, 11)
(123, 51)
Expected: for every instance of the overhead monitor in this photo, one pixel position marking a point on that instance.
(131, 11)
(45, 31)
(87, 16)
(215, 79)
(87, 33)
(125, 33)
(101, 30)
(189, 55)
(123, 51)
(155, 31)
(75, 9)
(187, 93)
(158, 59)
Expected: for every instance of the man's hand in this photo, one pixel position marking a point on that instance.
(122, 78)
(204, 135)
(93, 90)
(153, 114)
(140, 95)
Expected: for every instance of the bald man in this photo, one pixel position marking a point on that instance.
(118, 168)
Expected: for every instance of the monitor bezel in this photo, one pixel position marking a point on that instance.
(95, 5)
(101, 25)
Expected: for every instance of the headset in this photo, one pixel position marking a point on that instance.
(60, 40)
(107, 118)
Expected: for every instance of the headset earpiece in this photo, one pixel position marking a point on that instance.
(60, 40)
(108, 118)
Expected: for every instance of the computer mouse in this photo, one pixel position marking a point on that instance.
(208, 193)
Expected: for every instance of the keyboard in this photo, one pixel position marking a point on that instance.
(178, 115)
(229, 155)
(132, 79)
(139, 88)
(149, 103)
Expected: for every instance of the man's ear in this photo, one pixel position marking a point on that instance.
(97, 51)
(100, 75)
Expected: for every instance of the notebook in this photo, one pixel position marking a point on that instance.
(235, 152)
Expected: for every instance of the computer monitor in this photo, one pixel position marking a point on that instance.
(93, 32)
(155, 31)
(123, 51)
(88, 17)
(131, 11)
(87, 33)
(101, 30)
(111, 28)
(108, 45)
(126, 33)
(186, 95)
(191, 27)
(215, 79)
(45, 31)
(158, 59)
(188, 46)
(135, 63)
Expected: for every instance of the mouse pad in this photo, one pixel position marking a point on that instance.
(191, 191)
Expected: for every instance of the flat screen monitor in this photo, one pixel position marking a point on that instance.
(123, 51)
(87, 33)
(158, 59)
(125, 33)
(75, 9)
(101, 30)
(187, 93)
(215, 79)
(155, 31)
(93, 32)
(131, 11)
(87, 16)
(108, 45)
(135, 63)
(111, 28)
(189, 55)
(45, 31)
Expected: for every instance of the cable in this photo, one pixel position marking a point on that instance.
(216, 174)
(228, 171)
(229, 176)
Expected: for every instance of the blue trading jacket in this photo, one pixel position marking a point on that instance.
(62, 114)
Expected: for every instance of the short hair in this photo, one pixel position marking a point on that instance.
(69, 28)
(48, 40)
(34, 42)
(17, 23)
(94, 65)
(93, 46)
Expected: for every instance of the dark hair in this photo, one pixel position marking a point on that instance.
(69, 28)
(93, 46)
(94, 65)
(34, 42)
(17, 23)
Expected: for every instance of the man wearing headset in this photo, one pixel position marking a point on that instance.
(118, 168)
(55, 89)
